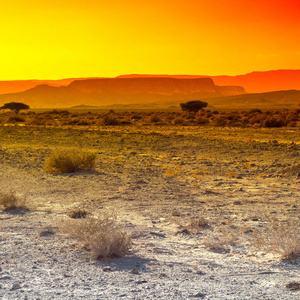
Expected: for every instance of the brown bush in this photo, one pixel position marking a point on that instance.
(103, 235)
(280, 237)
(9, 201)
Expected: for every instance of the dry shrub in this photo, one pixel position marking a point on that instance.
(293, 286)
(228, 237)
(155, 118)
(274, 122)
(110, 120)
(9, 201)
(70, 160)
(197, 224)
(103, 236)
(279, 237)
(201, 121)
(178, 121)
(77, 213)
(15, 119)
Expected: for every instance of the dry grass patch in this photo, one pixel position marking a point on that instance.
(197, 224)
(77, 213)
(279, 237)
(103, 235)
(70, 160)
(9, 201)
(228, 236)
(293, 286)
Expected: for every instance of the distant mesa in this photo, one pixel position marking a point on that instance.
(165, 86)
(255, 82)
(107, 91)
(164, 91)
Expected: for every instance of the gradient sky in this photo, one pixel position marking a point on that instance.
(89, 38)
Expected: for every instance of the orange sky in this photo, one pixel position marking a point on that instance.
(86, 38)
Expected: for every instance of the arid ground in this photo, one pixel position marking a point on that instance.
(196, 201)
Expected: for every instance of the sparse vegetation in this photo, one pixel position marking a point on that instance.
(102, 235)
(77, 213)
(197, 224)
(252, 118)
(227, 237)
(15, 119)
(10, 201)
(279, 237)
(70, 160)
(193, 106)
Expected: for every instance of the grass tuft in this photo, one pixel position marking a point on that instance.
(70, 160)
(102, 236)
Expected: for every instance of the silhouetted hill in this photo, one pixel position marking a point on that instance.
(271, 100)
(99, 92)
(255, 82)
(15, 86)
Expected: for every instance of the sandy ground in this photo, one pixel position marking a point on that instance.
(157, 179)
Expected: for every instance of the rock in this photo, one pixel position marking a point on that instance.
(199, 295)
(237, 203)
(200, 272)
(141, 281)
(176, 213)
(162, 235)
(16, 286)
(108, 269)
(134, 271)
(5, 277)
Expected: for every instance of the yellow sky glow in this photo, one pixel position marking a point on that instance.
(52, 40)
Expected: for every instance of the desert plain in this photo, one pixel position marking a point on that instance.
(196, 200)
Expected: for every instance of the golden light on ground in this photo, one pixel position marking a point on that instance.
(51, 39)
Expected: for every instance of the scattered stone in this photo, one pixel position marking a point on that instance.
(200, 272)
(47, 232)
(199, 295)
(158, 234)
(16, 286)
(5, 277)
(237, 203)
(183, 231)
(176, 213)
(162, 275)
(141, 281)
(141, 181)
(108, 269)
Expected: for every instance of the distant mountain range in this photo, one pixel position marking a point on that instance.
(159, 91)
(108, 91)
(255, 82)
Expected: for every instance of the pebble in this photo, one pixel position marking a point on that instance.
(16, 286)
(199, 295)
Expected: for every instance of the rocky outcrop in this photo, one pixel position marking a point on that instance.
(165, 86)
(230, 90)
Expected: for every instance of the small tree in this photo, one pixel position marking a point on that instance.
(15, 106)
(193, 106)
